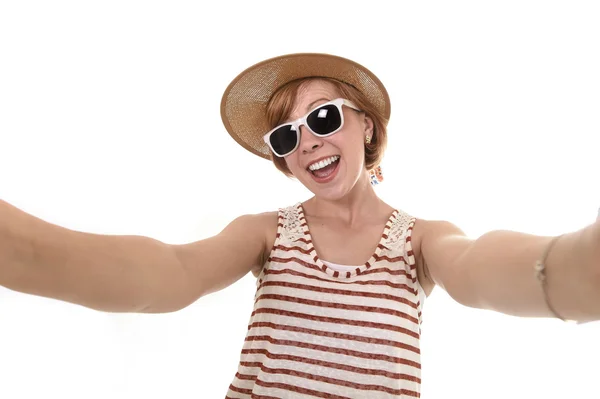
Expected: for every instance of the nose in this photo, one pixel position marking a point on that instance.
(308, 141)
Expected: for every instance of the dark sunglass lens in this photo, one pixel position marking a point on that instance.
(324, 120)
(283, 140)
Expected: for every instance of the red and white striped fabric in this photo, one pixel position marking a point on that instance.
(318, 332)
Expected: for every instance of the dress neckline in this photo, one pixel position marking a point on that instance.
(357, 270)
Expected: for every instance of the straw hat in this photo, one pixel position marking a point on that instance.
(244, 103)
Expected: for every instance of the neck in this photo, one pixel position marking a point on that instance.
(359, 204)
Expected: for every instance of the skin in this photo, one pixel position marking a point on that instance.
(346, 207)
(494, 271)
(346, 219)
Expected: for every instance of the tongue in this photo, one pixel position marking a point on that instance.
(326, 171)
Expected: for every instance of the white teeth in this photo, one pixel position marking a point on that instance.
(323, 163)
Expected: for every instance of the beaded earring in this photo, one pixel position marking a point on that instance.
(376, 176)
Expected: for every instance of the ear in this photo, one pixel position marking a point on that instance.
(368, 126)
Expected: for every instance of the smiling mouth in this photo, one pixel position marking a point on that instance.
(323, 162)
(325, 171)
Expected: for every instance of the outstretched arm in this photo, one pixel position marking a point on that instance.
(496, 271)
(117, 273)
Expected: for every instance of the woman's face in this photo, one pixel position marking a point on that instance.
(336, 180)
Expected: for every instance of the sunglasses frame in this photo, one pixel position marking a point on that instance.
(338, 102)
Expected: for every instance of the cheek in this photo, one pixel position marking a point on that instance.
(351, 146)
(292, 163)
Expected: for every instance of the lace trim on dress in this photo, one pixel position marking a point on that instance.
(292, 229)
(398, 230)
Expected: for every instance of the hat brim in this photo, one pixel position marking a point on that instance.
(244, 103)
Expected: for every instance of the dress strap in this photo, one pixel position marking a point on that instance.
(399, 236)
(290, 227)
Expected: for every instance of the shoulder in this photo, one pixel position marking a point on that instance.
(257, 223)
(259, 219)
(266, 223)
(427, 229)
(262, 226)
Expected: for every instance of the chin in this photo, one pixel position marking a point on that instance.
(330, 194)
(333, 192)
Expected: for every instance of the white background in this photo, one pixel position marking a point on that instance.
(109, 123)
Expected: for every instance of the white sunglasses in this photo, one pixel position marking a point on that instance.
(322, 121)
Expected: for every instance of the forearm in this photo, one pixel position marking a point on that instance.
(506, 281)
(103, 272)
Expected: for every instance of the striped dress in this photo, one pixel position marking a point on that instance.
(321, 331)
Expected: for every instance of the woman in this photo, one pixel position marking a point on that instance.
(342, 277)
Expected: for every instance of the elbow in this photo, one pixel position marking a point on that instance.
(169, 305)
(463, 293)
(166, 298)
(171, 290)
(170, 301)
(159, 309)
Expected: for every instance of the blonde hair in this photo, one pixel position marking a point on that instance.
(281, 106)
